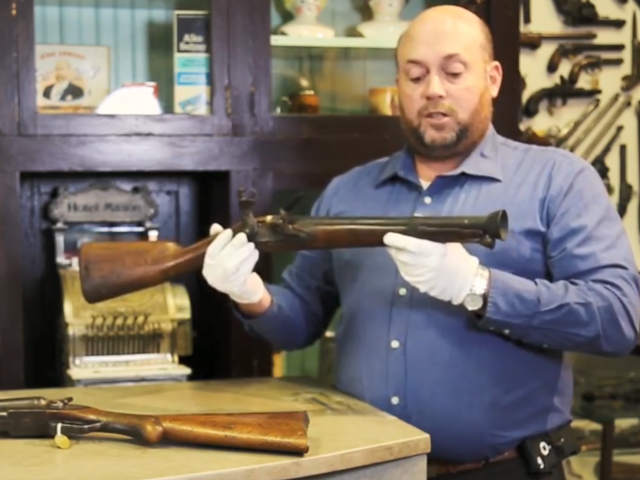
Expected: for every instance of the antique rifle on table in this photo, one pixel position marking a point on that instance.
(112, 269)
(38, 417)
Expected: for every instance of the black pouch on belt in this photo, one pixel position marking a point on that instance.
(545, 452)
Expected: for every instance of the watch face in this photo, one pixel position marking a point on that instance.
(473, 302)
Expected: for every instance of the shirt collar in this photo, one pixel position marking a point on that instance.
(482, 162)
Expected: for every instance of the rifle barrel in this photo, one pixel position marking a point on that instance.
(594, 122)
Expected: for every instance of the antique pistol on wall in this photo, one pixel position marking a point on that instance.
(112, 269)
(38, 417)
(571, 50)
(576, 13)
(590, 64)
(558, 93)
(533, 40)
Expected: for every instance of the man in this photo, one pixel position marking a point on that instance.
(63, 90)
(463, 342)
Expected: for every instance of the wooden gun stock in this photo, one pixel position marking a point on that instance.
(284, 432)
(112, 269)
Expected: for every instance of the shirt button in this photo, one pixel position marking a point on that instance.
(402, 291)
(427, 200)
(395, 400)
(506, 332)
(395, 343)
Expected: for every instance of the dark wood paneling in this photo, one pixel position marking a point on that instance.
(166, 125)
(182, 154)
(337, 126)
(32, 123)
(8, 70)
(26, 68)
(12, 374)
(504, 21)
(244, 45)
(301, 181)
(220, 65)
(256, 47)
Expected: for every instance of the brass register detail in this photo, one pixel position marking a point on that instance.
(135, 337)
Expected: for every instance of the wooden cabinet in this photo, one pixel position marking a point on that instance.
(245, 138)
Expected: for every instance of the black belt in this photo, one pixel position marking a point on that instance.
(541, 453)
(436, 467)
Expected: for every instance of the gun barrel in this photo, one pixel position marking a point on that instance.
(29, 403)
(596, 47)
(565, 135)
(607, 147)
(626, 102)
(625, 190)
(594, 122)
(533, 40)
(358, 232)
(607, 22)
(561, 35)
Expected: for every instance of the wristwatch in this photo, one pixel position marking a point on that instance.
(475, 299)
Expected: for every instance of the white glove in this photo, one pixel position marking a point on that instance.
(228, 266)
(444, 271)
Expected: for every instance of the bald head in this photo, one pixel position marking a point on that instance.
(447, 78)
(451, 20)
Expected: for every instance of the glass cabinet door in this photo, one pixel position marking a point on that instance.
(123, 57)
(337, 57)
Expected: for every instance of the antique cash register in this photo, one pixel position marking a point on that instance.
(135, 338)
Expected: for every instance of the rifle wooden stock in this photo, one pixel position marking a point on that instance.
(112, 269)
(284, 432)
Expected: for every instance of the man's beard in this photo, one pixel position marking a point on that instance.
(463, 140)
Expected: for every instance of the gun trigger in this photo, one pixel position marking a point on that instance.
(61, 440)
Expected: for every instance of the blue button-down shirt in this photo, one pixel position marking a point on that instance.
(564, 280)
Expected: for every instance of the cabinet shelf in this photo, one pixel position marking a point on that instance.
(336, 42)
